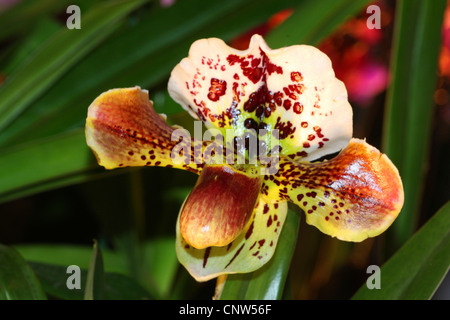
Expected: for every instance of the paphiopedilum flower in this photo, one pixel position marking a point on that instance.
(231, 221)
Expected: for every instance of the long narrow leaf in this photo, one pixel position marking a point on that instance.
(44, 29)
(17, 279)
(58, 157)
(95, 282)
(117, 286)
(66, 255)
(160, 41)
(21, 16)
(304, 26)
(56, 56)
(417, 269)
(68, 99)
(409, 105)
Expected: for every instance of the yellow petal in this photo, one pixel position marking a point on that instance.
(356, 195)
(123, 129)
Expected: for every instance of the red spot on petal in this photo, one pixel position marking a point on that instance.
(261, 243)
(270, 67)
(287, 104)
(249, 231)
(298, 108)
(296, 76)
(277, 97)
(255, 62)
(298, 88)
(269, 221)
(217, 89)
(206, 256)
(235, 255)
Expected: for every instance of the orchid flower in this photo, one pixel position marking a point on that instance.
(231, 221)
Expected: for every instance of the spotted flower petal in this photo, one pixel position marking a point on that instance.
(356, 195)
(123, 129)
(292, 90)
(248, 252)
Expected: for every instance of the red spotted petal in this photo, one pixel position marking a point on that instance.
(356, 195)
(291, 90)
(123, 129)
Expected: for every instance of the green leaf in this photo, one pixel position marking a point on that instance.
(17, 280)
(44, 29)
(160, 40)
(21, 17)
(95, 282)
(162, 263)
(117, 286)
(119, 208)
(42, 162)
(56, 56)
(312, 21)
(417, 269)
(66, 255)
(409, 102)
(266, 283)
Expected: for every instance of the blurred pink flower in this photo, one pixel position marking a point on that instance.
(5, 4)
(444, 58)
(366, 81)
(353, 49)
(166, 3)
